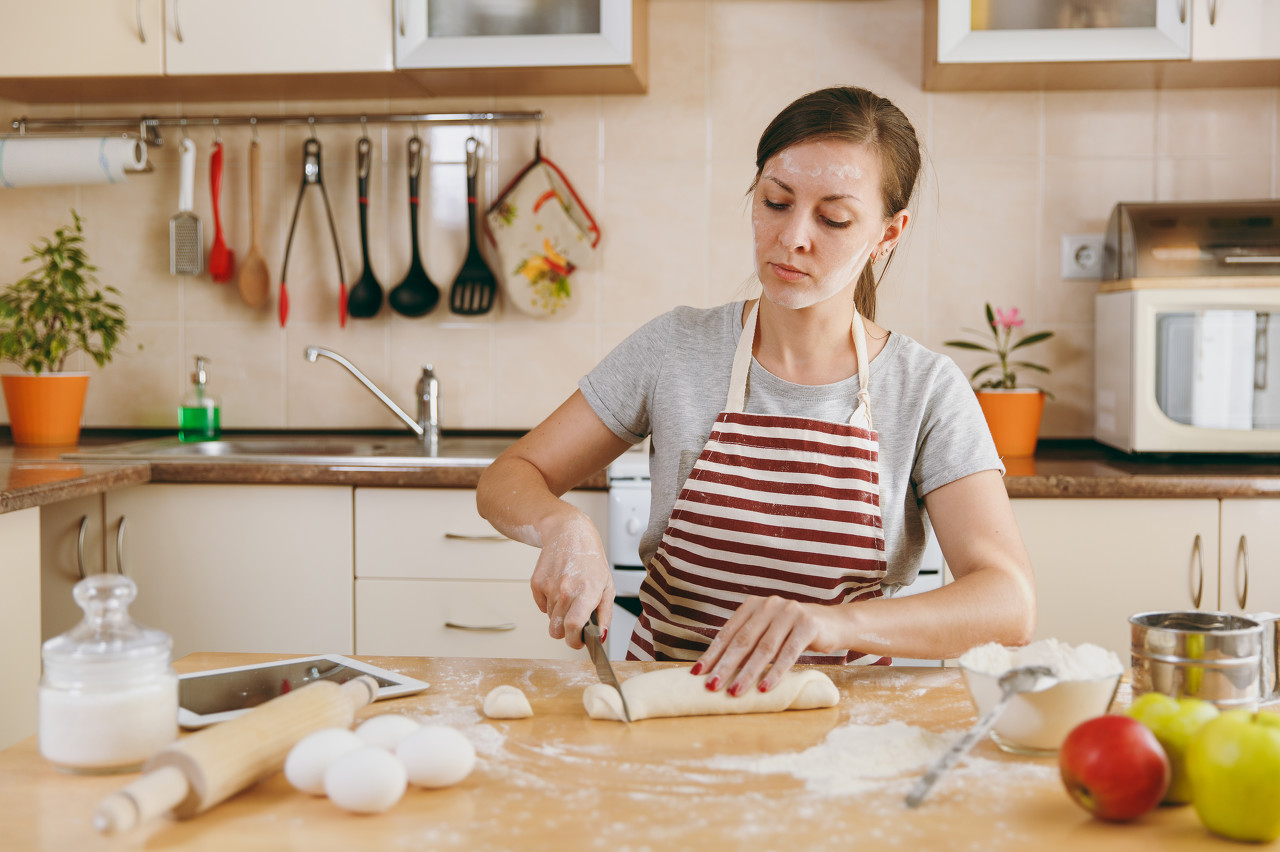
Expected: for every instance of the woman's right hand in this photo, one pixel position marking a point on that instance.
(572, 578)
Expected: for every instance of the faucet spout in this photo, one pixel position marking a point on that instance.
(420, 427)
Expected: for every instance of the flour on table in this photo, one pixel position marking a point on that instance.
(1080, 662)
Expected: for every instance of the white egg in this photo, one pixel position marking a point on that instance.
(437, 756)
(311, 756)
(386, 731)
(368, 780)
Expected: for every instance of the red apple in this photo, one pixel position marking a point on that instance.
(1114, 767)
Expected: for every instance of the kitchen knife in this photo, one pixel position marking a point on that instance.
(604, 669)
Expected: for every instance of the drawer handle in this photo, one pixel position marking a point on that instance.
(481, 628)
(476, 537)
(84, 525)
(1196, 576)
(1242, 556)
(120, 546)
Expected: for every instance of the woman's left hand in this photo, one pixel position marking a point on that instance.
(765, 637)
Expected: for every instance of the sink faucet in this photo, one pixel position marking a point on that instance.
(427, 425)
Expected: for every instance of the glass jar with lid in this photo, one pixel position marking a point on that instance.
(108, 695)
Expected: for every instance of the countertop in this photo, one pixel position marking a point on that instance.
(1060, 468)
(560, 780)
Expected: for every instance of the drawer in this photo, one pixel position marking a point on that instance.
(447, 618)
(436, 533)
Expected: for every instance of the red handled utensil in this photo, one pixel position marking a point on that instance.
(221, 259)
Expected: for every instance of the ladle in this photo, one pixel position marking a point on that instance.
(1021, 679)
(415, 296)
(365, 297)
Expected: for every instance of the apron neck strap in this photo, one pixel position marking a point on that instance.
(742, 357)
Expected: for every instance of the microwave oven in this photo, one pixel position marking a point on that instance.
(1188, 370)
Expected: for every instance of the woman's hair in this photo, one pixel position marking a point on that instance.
(851, 114)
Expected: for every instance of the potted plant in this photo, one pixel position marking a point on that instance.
(49, 313)
(1013, 413)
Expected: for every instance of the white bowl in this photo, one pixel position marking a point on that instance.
(1036, 723)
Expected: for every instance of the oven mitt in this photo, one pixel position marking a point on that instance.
(542, 234)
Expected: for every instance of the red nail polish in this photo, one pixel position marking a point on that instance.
(735, 689)
(714, 683)
(604, 634)
(697, 669)
(764, 687)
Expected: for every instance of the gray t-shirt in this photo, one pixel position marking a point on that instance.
(669, 381)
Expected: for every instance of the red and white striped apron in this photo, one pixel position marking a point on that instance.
(775, 505)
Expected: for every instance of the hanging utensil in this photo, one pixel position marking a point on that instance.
(255, 278)
(311, 176)
(365, 297)
(416, 295)
(186, 241)
(221, 259)
(475, 285)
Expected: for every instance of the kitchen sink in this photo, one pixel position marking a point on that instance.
(453, 451)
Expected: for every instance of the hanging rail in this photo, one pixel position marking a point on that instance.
(148, 127)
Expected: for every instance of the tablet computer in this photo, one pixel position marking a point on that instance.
(205, 698)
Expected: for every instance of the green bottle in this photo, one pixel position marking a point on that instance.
(199, 419)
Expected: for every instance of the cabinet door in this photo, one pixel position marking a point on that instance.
(1097, 562)
(1250, 576)
(277, 37)
(255, 568)
(447, 618)
(19, 623)
(1235, 29)
(82, 38)
(71, 548)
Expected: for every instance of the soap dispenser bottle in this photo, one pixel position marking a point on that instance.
(200, 418)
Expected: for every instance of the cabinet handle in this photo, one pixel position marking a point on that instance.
(481, 628)
(84, 525)
(400, 16)
(120, 547)
(479, 537)
(177, 24)
(1213, 16)
(1242, 556)
(1196, 576)
(137, 11)
(1182, 11)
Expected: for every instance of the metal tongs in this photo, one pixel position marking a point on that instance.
(311, 175)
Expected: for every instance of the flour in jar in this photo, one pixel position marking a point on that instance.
(1068, 662)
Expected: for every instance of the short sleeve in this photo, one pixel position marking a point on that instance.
(620, 388)
(955, 440)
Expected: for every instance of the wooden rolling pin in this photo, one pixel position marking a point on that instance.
(197, 772)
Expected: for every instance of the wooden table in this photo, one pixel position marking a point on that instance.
(562, 781)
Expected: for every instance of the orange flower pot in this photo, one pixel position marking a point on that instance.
(1013, 415)
(45, 410)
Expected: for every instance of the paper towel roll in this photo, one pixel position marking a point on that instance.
(49, 162)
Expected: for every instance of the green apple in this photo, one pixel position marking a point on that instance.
(1173, 721)
(1234, 766)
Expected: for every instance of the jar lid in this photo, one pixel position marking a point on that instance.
(107, 634)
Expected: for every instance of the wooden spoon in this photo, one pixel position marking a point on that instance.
(255, 279)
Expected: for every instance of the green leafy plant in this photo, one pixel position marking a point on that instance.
(1001, 324)
(54, 310)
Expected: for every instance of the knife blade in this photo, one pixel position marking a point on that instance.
(600, 658)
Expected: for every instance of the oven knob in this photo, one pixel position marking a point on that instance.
(633, 525)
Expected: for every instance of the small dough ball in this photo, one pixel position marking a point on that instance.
(507, 702)
(437, 756)
(386, 731)
(368, 780)
(311, 756)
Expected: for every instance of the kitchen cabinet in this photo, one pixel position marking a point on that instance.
(1249, 580)
(19, 623)
(1235, 29)
(238, 567)
(82, 38)
(71, 548)
(434, 578)
(280, 37)
(574, 46)
(1097, 562)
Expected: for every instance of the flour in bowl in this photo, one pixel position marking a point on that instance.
(1079, 662)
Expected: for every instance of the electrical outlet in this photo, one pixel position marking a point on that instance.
(1082, 256)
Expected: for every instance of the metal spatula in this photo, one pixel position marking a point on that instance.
(186, 241)
(475, 285)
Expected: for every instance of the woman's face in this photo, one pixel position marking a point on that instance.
(817, 215)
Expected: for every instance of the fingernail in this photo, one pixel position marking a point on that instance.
(764, 687)
(604, 634)
(697, 669)
(735, 689)
(714, 683)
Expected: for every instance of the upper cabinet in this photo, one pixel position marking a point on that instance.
(1100, 44)
(82, 38)
(524, 46)
(277, 37)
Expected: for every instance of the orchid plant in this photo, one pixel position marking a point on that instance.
(1002, 323)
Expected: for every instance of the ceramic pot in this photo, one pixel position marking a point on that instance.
(1013, 415)
(45, 410)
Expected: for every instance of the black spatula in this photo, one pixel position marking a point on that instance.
(473, 289)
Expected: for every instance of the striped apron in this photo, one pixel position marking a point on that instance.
(774, 505)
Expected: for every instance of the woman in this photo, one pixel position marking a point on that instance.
(797, 446)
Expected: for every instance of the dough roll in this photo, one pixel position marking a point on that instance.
(675, 692)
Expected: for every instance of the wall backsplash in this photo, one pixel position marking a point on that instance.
(665, 175)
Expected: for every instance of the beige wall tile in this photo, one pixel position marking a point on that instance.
(32, 214)
(1218, 179)
(986, 124)
(1215, 122)
(730, 255)
(245, 371)
(1100, 124)
(462, 358)
(903, 296)
(1070, 355)
(535, 371)
(877, 46)
(141, 386)
(324, 394)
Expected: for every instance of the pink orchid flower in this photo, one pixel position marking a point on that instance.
(1009, 319)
